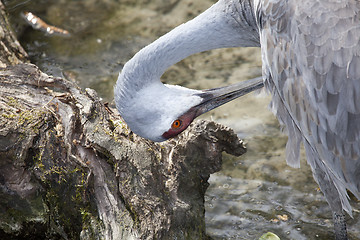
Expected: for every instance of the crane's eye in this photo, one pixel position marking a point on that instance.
(176, 124)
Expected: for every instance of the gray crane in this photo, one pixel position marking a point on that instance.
(311, 67)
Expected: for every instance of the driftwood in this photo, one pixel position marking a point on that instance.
(71, 169)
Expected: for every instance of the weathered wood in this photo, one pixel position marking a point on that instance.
(71, 169)
(10, 49)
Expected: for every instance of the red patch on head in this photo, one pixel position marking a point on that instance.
(180, 124)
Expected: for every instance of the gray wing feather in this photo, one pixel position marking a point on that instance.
(311, 62)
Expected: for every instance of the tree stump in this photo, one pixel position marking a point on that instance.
(70, 168)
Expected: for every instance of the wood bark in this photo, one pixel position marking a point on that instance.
(70, 168)
(10, 48)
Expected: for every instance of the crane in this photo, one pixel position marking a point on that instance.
(310, 66)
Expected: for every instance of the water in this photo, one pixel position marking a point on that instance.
(254, 193)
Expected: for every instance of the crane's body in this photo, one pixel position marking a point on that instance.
(311, 63)
(311, 67)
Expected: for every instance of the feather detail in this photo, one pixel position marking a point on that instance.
(316, 90)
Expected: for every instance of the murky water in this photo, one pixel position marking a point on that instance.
(254, 193)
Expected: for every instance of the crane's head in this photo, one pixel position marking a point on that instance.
(158, 112)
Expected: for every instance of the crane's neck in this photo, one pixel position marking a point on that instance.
(225, 24)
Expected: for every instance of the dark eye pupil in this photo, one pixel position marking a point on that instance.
(176, 124)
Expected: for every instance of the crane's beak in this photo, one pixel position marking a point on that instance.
(216, 97)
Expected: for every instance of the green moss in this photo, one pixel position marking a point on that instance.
(33, 117)
(8, 116)
(86, 215)
(66, 198)
(26, 120)
(12, 102)
(112, 129)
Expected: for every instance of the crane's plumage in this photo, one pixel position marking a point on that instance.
(311, 66)
(311, 63)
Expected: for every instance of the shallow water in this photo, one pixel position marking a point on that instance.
(254, 193)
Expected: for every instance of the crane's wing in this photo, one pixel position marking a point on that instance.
(311, 60)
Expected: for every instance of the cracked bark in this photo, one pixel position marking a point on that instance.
(71, 169)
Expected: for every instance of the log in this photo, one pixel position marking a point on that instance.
(70, 168)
